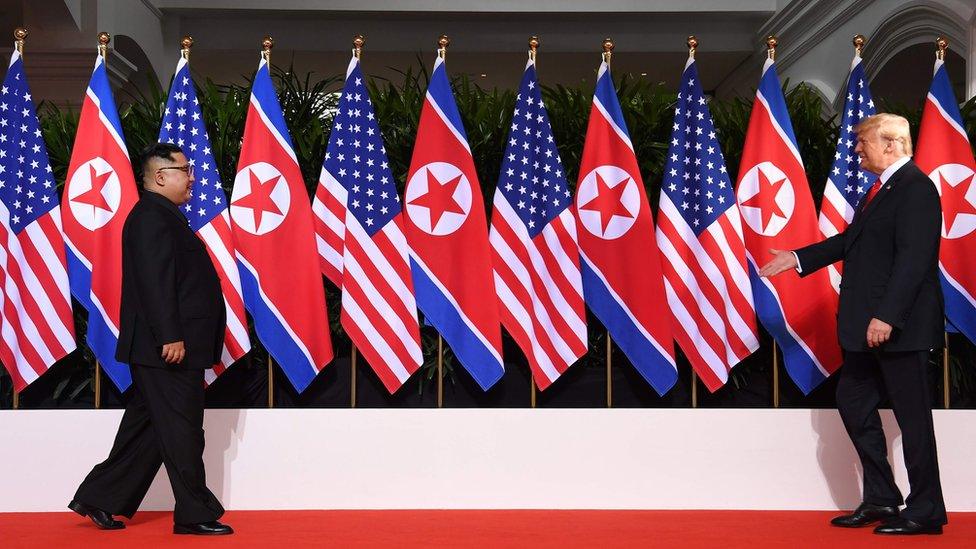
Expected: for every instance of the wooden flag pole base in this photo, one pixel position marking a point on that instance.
(270, 381)
(609, 372)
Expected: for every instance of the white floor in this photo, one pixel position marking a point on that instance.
(491, 458)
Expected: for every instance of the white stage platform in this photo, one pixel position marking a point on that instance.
(491, 459)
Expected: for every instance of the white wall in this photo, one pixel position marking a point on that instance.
(490, 458)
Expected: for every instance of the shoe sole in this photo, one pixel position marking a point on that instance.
(187, 531)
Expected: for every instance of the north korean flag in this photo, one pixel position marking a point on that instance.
(447, 232)
(776, 205)
(944, 152)
(271, 220)
(622, 279)
(100, 190)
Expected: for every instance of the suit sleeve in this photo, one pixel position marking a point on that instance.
(917, 234)
(817, 256)
(153, 251)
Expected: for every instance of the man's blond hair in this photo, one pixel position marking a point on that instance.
(891, 127)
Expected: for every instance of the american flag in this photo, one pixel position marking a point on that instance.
(847, 184)
(699, 233)
(37, 327)
(534, 248)
(206, 211)
(360, 237)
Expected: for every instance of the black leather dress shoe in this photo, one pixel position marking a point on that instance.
(102, 519)
(906, 527)
(212, 528)
(866, 513)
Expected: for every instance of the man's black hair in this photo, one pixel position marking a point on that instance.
(156, 150)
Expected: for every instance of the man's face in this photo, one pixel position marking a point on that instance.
(873, 151)
(174, 179)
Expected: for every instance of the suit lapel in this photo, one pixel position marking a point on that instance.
(872, 206)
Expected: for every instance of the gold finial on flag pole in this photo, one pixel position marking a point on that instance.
(692, 45)
(266, 44)
(103, 39)
(942, 44)
(771, 42)
(442, 43)
(607, 49)
(533, 47)
(859, 41)
(186, 44)
(20, 33)
(358, 42)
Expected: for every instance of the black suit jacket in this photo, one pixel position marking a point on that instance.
(891, 265)
(170, 289)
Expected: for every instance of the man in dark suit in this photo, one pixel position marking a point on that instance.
(171, 330)
(890, 317)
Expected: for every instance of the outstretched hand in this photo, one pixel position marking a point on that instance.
(782, 261)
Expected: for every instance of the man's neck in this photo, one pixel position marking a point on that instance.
(893, 167)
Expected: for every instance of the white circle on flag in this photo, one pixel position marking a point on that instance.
(764, 178)
(443, 217)
(94, 193)
(261, 209)
(956, 175)
(619, 212)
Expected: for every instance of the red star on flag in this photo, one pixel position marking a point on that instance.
(259, 199)
(765, 199)
(93, 196)
(608, 201)
(954, 202)
(439, 198)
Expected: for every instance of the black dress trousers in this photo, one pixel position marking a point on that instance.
(865, 378)
(163, 423)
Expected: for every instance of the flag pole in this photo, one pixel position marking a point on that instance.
(442, 43)
(775, 375)
(103, 39)
(945, 371)
(186, 44)
(266, 44)
(357, 50)
(533, 51)
(607, 54)
(440, 371)
(352, 391)
(692, 42)
(20, 33)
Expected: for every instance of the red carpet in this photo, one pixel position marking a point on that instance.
(429, 529)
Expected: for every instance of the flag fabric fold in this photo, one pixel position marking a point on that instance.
(699, 233)
(847, 183)
(623, 282)
(361, 243)
(945, 154)
(183, 125)
(533, 240)
(100, 190)
(274, 236)
(447, 233)
(36, 322)
(777, 207)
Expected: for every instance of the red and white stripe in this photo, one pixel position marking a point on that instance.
(836, 214)
(539, 289)
(216, 235)
(708, 290)
(329, 209)
(36, 323)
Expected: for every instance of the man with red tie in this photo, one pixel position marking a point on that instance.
(889, 318)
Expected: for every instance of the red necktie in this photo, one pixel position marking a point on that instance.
(872, 192)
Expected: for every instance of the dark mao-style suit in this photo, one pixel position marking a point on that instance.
(170, 292)
(890, 272)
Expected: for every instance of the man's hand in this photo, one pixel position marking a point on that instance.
(878, 332)
(782, 261)
(173, 352)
